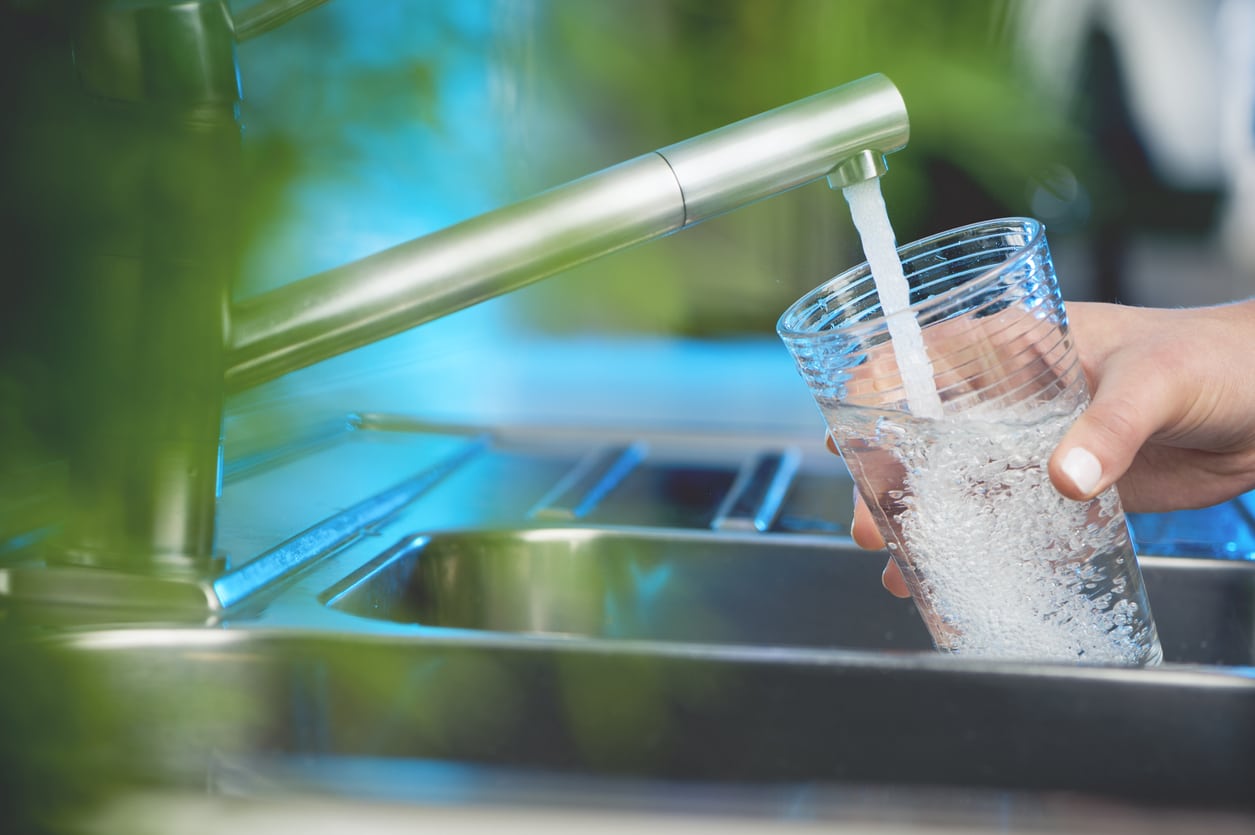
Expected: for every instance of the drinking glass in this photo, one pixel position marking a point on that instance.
(997, 561)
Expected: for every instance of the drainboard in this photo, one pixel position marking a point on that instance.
(751, 484)
(643, 479)
(475, 478)
(388, 477)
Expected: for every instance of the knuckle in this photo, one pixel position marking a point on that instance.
(1115, 421)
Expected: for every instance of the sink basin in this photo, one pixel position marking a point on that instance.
(735, 657)
(782, 591)
(637, 585)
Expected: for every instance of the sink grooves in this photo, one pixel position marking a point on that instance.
(758, 492)
(335, 532)
(588, 482)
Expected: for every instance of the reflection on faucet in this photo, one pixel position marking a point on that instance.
(153, 356)
(841, 134)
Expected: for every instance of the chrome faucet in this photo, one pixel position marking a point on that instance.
(842, 134)
(150, 488)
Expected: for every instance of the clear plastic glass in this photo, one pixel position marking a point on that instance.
(998, 562)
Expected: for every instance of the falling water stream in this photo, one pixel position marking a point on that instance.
(871, 218)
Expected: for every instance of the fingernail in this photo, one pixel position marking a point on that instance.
(1083, 468)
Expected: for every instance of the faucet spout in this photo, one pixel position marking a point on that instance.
(842, 134)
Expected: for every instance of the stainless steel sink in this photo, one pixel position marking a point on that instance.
(716, 645)
(682, 660)
(321, 709)
(637, 585)
(786, 591)
(735, 657)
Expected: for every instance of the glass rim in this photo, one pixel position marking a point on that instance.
(1035, 228)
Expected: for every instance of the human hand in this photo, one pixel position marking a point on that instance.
(1172, 419)
(865, 534)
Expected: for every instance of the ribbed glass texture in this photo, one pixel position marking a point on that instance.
(999, 563)
(993, 323)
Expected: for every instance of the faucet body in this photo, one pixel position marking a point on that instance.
(156, 344)
(842, 134)
(123, 146)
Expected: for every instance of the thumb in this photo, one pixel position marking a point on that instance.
(1130, 404)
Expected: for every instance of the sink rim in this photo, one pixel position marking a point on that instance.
(981, 706)
(257, 641)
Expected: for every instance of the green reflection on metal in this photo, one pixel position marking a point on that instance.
(58, 737)
(616, 79)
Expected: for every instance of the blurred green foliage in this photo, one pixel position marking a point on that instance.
(58, 736)
(313, 107)
(629, 77)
